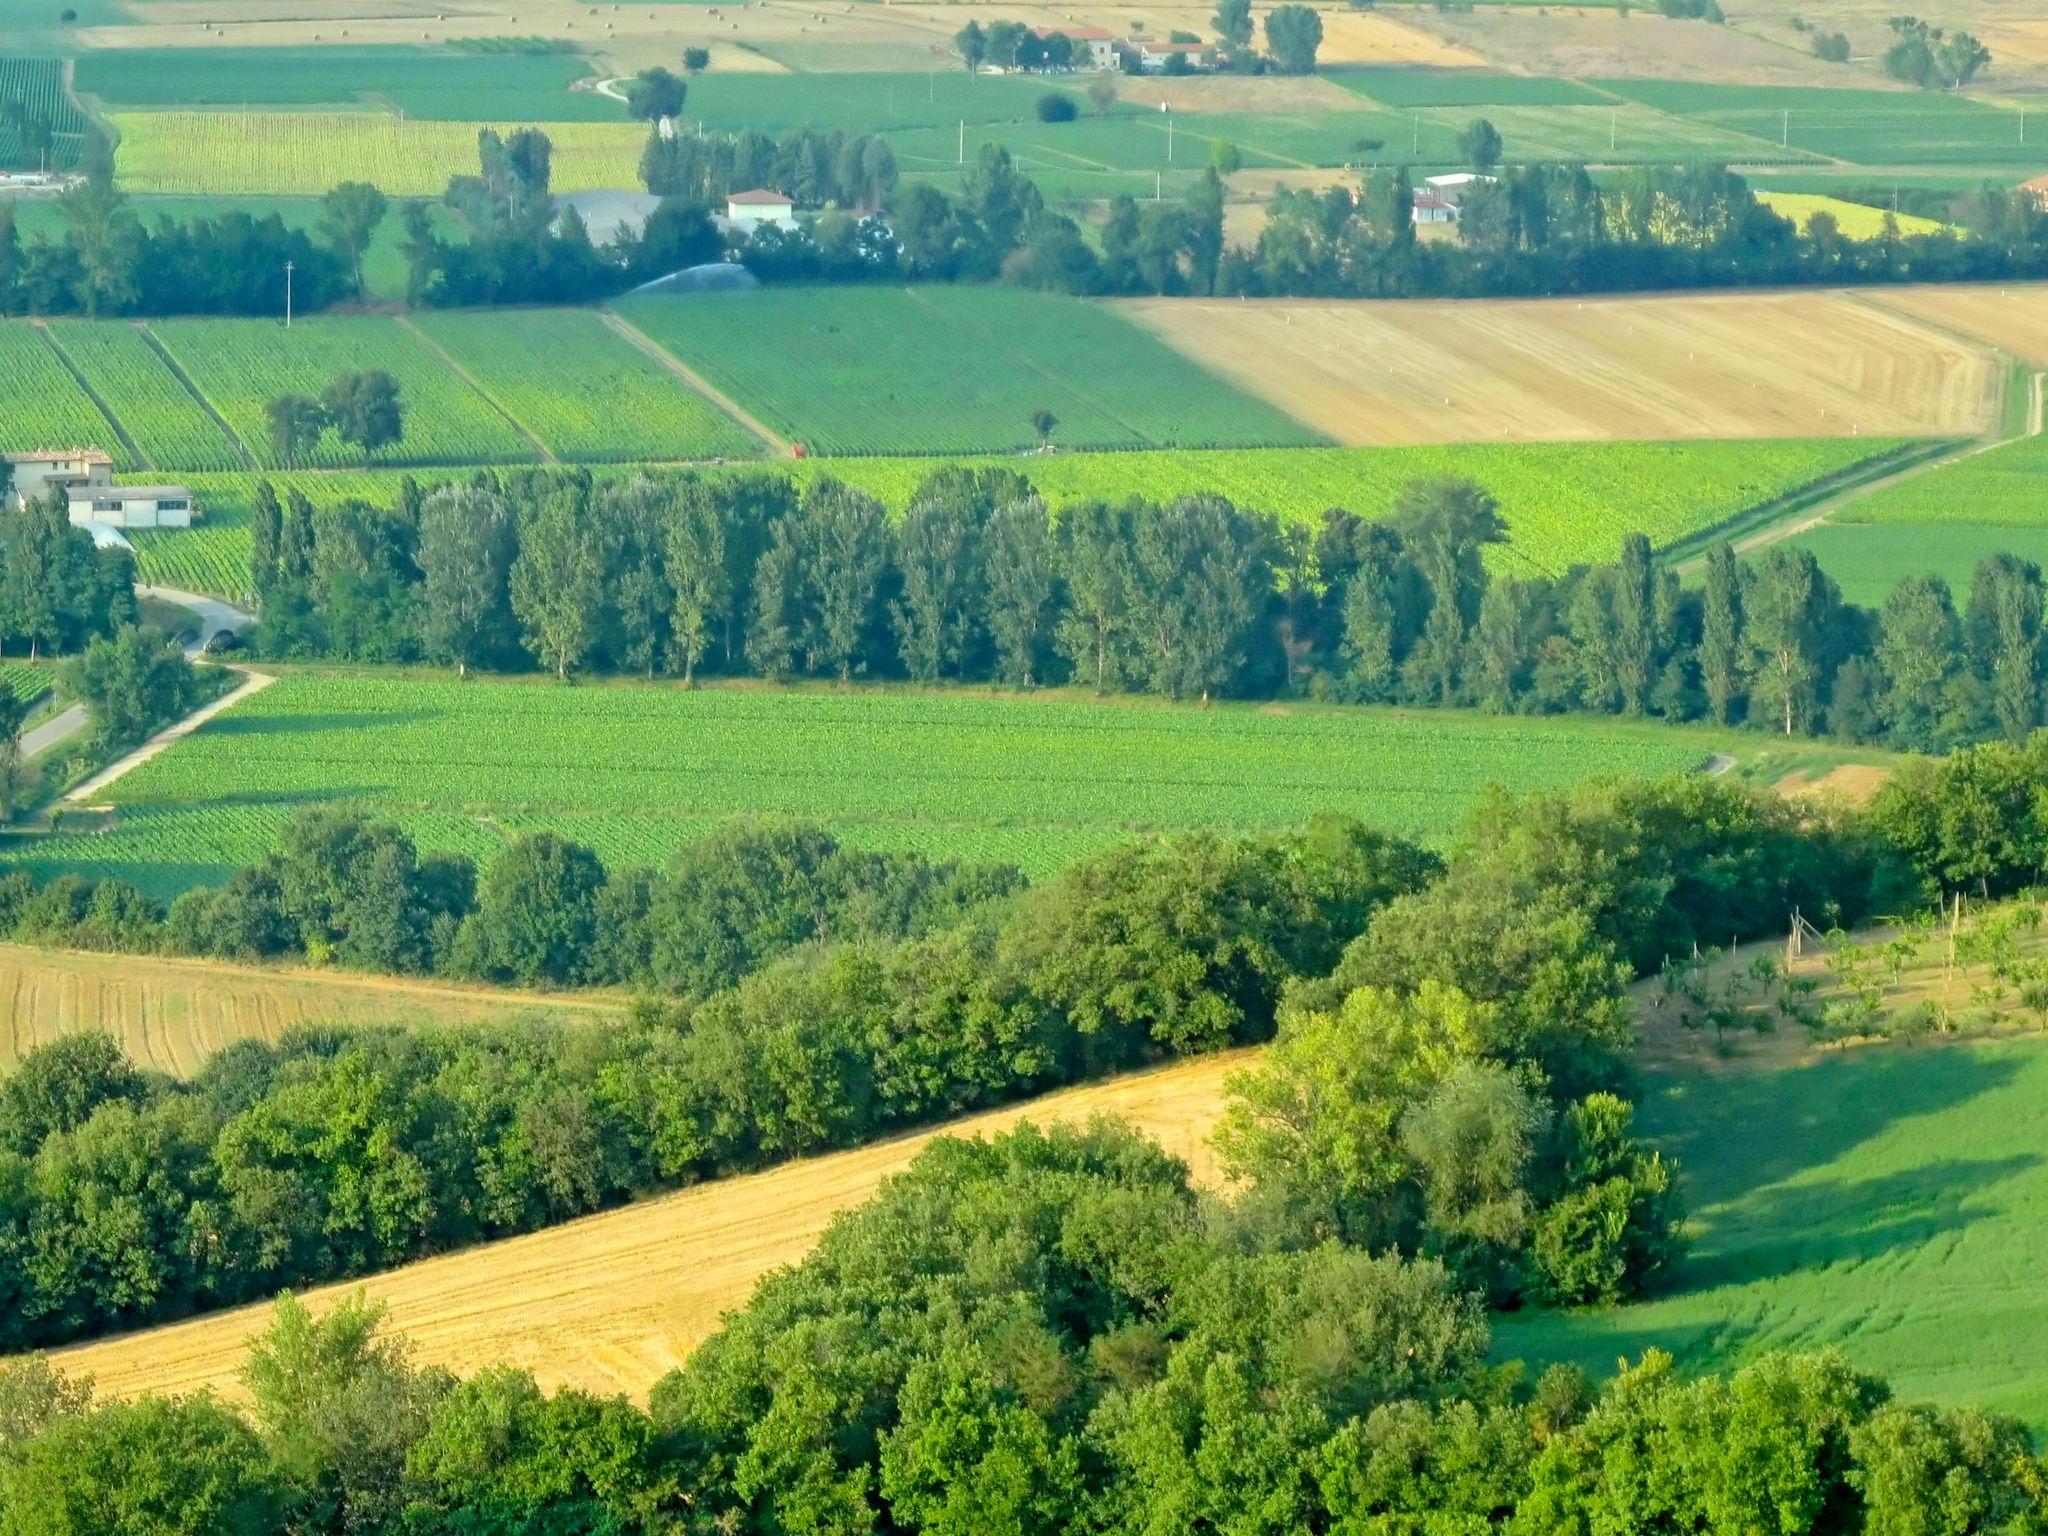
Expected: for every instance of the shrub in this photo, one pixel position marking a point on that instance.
(1057, 107)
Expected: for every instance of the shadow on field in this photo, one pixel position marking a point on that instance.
(1739, 1132)
(1814, 1225)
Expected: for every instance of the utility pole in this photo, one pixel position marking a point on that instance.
(287, 295)
(1613, 127)
(963, 141)
(1785, 129)
(1168, 110)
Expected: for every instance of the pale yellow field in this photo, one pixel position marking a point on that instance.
(307, 153)
(1858, 221)
(2013, 316)
(1349, 37)
(1781, 364)
(612, 1302)
(171, 1014)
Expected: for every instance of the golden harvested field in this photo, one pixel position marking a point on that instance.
(2013, 317)
(1349, 37)
(612, 1302)
(1605, 44)
(204, 154)
(171, 1014)
(1794, 364)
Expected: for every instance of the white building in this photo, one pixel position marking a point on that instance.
(34, 474)
(1433, 208)
(1152, 54)
(130, 506)
(1094, 47)
(748, 211)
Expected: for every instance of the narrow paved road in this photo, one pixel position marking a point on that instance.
(214, 616)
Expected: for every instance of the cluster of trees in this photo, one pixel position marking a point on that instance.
(1012, 45)
(1049, 1332)
(57, 588)
(108, 261)
(852, 171)
(361, 409)
(817, 999)
(743, 575)
(1929, 58)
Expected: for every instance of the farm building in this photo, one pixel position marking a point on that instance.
(1153, 54)
(748, 211)
(35, 474)
(1094, 47)
(130, 506)
(1433, 208)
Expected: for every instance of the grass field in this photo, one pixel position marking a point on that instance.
(1709, 365)
(304, 154)
(1865, 126)
(1563, 502)
(172, 1014)
(2006, 487)
(239, 366)
(1857, 221)
(582, 389)
(612, 1302)
(43, 405)
(424, 83)
(1410, 87)
(1892, 1201)
(636, 771)
(172, 429)
(952, 370)
(1868, 559)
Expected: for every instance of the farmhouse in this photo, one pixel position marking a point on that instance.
(35, 474)
(1094, 47)
(130, 506)
(748, 211)
(1152, 54)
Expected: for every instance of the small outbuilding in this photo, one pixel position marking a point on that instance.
(748, 211)
(130, 506)
(1432, 208)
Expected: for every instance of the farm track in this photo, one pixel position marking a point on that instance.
(142, 460)
(252, 683)
(185, 381)
(547, 454)
(690, 376)
(611, 1302)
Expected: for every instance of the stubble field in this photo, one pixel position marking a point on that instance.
(1804, 364)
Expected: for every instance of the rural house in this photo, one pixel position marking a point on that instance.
(748, 211)
(1094, 48)
(35, 474)
(1152, 54)
(1433, 208)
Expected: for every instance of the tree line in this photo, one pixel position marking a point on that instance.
(1050, 1332)
(743, 575)
(58, 589)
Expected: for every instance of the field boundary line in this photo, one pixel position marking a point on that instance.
(121, 432)
(252, 683)
(783, 447)
(547, 454)
(155, 344)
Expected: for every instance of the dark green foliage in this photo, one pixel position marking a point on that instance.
(58, 592)
(131, 684)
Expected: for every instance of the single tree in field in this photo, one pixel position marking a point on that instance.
(364, 409)
(696, 60)
(656, 93)
(973, 45)
(1226, 158)
(1102, 91)
(1293, 34)
(1042, 424)
(130, 685)
(1233, 24)
(1479, 142)
(296, 424)
(465, 560)
(349, 216)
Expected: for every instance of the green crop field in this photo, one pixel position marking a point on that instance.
(1892, 1201)
(637, 770)
(439, 84)
(583, 389)
(1399, 86)
(945, 370)
(38, 86)
(241, 365)
(172, 429)
(1865, 126)
(861, 102)
(1564, 502)
(42, 405)
(2005, 486)
(26, 681)
(306, 153)
(1867, 560)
